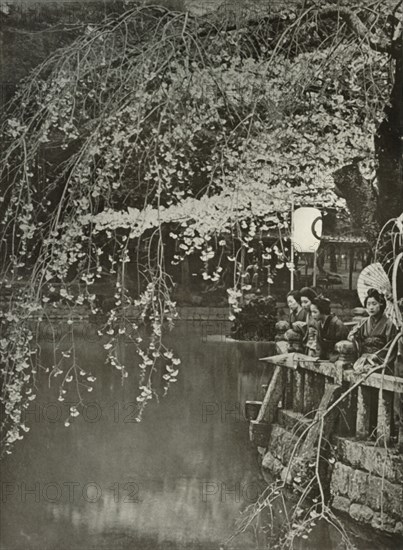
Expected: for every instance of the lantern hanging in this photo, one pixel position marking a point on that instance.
(306, 229)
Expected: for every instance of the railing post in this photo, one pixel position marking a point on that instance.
(259, 429)
(363, 412)
(298, 391)
(310, 381)
(288, 390)
(346, 355)
(294, 340)
(281, 328)
(383, 426)
(331, 393)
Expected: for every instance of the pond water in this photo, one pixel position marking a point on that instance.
(177, 480)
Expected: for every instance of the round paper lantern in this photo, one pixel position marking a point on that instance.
(306, 229)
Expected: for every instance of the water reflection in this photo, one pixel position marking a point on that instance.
(178, 479)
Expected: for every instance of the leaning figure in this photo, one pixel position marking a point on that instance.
(310, 339)
(297, 312)
(330, 329)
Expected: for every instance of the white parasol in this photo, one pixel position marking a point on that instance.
(374, 276)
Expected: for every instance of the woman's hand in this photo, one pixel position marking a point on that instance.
(366, 362)
(299, 326)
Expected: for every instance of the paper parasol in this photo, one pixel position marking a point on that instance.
(374, 276)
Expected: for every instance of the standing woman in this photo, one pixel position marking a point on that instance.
(297, 313)
(330, 328)
(375, 332)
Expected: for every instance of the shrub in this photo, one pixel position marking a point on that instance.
(256, 320)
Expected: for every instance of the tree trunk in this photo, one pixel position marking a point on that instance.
(361, 200)
(389, 151)
(369, 211)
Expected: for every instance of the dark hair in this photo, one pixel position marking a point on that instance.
(296, 295)
(323, 304)
(308, 292)
(378, 296)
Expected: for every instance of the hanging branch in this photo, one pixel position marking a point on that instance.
(155, 122)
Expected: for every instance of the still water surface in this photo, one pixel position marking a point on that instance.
(177, 480)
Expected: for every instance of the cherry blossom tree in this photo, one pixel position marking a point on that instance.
(158, 130)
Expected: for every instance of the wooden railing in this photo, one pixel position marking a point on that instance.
(381, 391)
(306, 387)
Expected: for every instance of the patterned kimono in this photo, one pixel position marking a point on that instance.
(372, 336)
(300, 316)
(311, 345)
(309, 332)
(331, 331)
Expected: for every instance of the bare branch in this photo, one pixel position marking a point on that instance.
(378, 44)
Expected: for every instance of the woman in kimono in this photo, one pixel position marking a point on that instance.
(297, 312)
(372, 336)
(310, 339)
(307, 296)
(330, 329)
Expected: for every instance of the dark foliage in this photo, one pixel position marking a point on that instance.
(256, 320)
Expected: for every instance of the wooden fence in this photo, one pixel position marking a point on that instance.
(309, 389)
